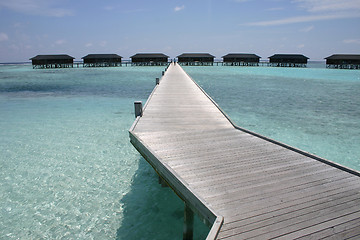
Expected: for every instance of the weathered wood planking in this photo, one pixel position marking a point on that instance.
(243, 184)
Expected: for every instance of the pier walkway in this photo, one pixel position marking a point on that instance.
(244, 185)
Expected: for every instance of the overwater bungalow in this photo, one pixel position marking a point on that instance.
(149, 59)
(288, 60)
(343, 61)
(102, 60)
(241, 59)
(52, 61)
(198, 59)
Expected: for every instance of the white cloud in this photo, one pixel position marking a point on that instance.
(36, 7)
(14, 47)
(318, 10)
(60, 42)
(302, 19)
(275, 9)
(18, 25)
(301, 46)
(351, 41)
(179, 8)
(109, 8)
(88, 45)
(307, 29)
(138, 10)
(328, 5)
(3, 37)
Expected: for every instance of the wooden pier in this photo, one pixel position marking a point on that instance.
(243, 185)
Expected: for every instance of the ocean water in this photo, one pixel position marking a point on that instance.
(69, 172)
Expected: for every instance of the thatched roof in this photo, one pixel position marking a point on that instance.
(101, 56)
(343, 57)
(288, 56)
(149, 55)
(52, 57)
(195, 55)
(241, 55)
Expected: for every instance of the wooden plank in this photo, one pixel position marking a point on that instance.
(229, 180)
(283, 193)
(298, 227)
(244, 170)
(260, 214)
(253, 187)
(258, 202)
(342, 219)
(282, 222)
(343, 230)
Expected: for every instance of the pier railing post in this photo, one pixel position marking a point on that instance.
(157, 81)
(188, 223)
(138, 109)
(162, 182)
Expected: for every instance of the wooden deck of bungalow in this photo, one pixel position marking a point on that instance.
(244, 185)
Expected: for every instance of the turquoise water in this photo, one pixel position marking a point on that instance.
(68, 170)
(67, 167)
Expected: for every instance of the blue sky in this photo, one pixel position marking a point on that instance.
(315, 28)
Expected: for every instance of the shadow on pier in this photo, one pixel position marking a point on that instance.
(153, 212)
